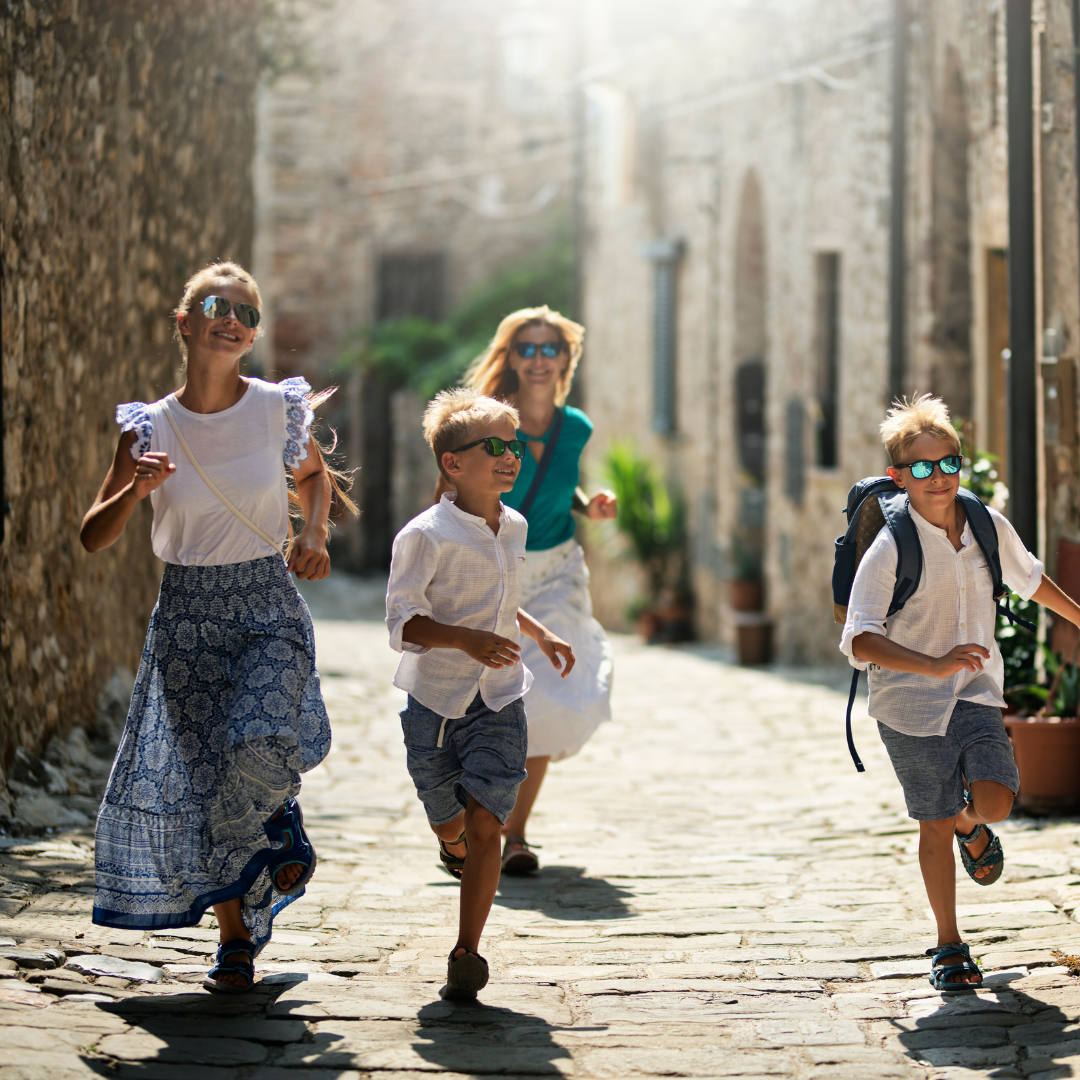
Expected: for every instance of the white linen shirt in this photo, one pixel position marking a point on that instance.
(952, 605)
(450, 566)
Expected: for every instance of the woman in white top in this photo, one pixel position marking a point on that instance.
(200, 808)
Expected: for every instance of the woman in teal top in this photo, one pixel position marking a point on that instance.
(530, 363)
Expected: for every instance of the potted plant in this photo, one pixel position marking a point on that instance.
(745, 585)
(653, 520)
(1047, 744)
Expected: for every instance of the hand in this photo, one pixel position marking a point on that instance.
(962, 658)
(308, 557)
(603, 506)
(490, 649)
(553, 647)
(151, 471)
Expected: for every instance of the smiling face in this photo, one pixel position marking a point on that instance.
(224, 339)
(474, 472)
(539, 375)
(934, 495)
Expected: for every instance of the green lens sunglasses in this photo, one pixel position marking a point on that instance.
(495, 447)
(949, 466)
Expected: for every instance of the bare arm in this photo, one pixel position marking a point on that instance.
(603, 506)
(308, 557)
(1050, 595)
(878, 649)
(126, 483)
(491, 650)
(550, 644)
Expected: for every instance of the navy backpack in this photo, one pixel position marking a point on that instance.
(878, 501)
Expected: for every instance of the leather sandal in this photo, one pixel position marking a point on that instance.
(993, 855)
(452, 863)
(226, 962)
(465, 975)
(941, 973)
(522, 861)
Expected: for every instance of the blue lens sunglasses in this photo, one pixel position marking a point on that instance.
(528, 349)
(949, 466)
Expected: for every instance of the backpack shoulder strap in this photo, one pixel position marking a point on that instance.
(897, 513)
(985, 532)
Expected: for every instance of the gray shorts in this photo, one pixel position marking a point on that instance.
(481, 754)
(932, 768)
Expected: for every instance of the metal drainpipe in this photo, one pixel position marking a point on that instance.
(897, 208)
(1023, 451)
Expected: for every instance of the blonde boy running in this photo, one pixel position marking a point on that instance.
(452, 610)
(936, 673)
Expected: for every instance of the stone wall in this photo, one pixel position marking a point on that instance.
(126, 137)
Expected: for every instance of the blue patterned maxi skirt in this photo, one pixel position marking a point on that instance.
(225, 715)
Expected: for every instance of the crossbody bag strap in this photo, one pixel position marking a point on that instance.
(211, 485)
(542, 465)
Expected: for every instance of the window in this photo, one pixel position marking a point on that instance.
(827, 359)
(665, 256)
(410, 284)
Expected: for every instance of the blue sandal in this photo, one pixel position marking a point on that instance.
(291, 824)
(941, 973)
(992, 856)
(226, 962)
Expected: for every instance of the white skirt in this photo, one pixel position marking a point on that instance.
(563, 713)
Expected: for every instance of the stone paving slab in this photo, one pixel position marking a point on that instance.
(722, 895)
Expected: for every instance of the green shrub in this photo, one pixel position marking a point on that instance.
(430, 356)
(652, 518)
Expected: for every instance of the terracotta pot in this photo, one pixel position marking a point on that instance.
(746, 595)
(1047, 752)
(754, 642)
(666, 625)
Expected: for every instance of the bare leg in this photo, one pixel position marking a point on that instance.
(480, 878)
(230, 927)
(990, 802)
(536, 767)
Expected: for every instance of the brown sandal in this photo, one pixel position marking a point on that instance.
(465, 975)
(522, 861)
(452, 863)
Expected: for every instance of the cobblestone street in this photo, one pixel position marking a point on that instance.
(721, 895)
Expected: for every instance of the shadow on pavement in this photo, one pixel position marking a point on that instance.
(1012, 1028)
(565, 892)
(478, 1038)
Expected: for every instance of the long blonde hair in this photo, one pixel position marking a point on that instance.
(491, 373)
(340, 480)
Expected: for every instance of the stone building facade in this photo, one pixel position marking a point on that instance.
(125, 164)
(745, 156)
(429, 149)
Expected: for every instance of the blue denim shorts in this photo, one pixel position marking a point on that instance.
(932, 768)
(481, 754)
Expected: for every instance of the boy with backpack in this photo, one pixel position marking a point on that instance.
(922, 616)
(452, 611)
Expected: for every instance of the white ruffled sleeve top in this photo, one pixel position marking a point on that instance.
(244, 450)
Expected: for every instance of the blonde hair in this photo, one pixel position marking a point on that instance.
(911, 417)
(491, 373)
(218, 271)
(340, 481)
(452, 415)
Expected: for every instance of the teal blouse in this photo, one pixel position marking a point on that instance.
(550, 520)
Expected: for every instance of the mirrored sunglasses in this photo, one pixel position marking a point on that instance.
(528, 349)
(922, 469)
(217, 307)
(495, 447)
